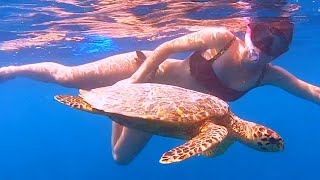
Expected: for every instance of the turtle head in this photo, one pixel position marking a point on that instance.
(265, 139)
(255, 135)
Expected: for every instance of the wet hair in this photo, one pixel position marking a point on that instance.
(280, 30)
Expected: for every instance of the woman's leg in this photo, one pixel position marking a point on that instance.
(127, 143)
(92, 75)
(116, 133)
(46, 72)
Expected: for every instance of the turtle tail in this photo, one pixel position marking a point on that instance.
(75, 102)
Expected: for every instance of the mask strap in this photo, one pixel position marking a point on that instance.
(253, 54)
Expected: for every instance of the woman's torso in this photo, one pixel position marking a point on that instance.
(232, 75)
(230, 68)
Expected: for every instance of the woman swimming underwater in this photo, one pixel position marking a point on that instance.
(221, 64)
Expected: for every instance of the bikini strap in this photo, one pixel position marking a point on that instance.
(223, 50)
(259, 81)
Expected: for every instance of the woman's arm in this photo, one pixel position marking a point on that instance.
(201, 40)
(279, 77)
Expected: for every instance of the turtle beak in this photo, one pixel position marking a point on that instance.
(280, 144)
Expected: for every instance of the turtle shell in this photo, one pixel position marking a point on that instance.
(156, 102)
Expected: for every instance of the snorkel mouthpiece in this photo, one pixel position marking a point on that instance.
(254, 55)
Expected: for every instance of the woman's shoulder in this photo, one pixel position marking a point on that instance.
(273, 74)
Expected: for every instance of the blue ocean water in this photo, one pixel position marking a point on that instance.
(41, 139)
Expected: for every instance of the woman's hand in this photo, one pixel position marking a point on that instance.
(134, 79)
(129, 80)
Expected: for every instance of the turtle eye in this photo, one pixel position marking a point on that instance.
(273, 140)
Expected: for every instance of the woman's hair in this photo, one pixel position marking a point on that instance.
(270, 29)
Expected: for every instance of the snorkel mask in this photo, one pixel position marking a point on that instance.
(272, 37)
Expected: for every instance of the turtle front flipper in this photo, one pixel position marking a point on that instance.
(209, 137)
(75, 102)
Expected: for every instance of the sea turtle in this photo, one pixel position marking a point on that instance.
(204, 120)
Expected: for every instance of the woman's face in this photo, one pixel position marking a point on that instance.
(270, 42)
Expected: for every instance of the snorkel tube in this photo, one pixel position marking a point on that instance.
(253, 54)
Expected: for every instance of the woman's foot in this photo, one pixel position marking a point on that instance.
(5, 75)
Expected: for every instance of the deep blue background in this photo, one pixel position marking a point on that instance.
(41, 139)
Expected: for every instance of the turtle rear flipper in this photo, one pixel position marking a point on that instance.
(75, 102)
(209, 137)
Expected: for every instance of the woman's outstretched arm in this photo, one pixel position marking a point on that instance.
(279, 77)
